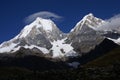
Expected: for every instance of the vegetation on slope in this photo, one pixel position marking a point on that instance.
(108, 73)
(108, 59)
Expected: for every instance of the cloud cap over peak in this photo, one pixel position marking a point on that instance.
(43, 14)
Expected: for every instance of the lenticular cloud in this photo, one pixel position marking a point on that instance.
(43, 14)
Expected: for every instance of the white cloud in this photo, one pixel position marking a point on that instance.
(43, 14)
(111, 24)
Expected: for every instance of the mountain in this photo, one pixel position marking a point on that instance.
(43, 38)
(83, 36)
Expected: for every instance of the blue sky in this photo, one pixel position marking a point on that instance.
(14, 12)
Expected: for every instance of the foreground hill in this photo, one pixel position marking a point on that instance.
(94, 73)
(108, 59)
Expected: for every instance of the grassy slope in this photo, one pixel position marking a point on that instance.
(108, 59)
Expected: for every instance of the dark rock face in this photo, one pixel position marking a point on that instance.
(112, 35)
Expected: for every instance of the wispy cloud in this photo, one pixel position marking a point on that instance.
(111, 24)
(43, 14)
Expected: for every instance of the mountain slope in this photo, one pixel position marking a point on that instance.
(110, 58)
(100, 50)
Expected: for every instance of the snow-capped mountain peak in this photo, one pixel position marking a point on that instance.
(90, 21)
(84, 34)
(40, 23)
(45, 23)
(37, 37)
